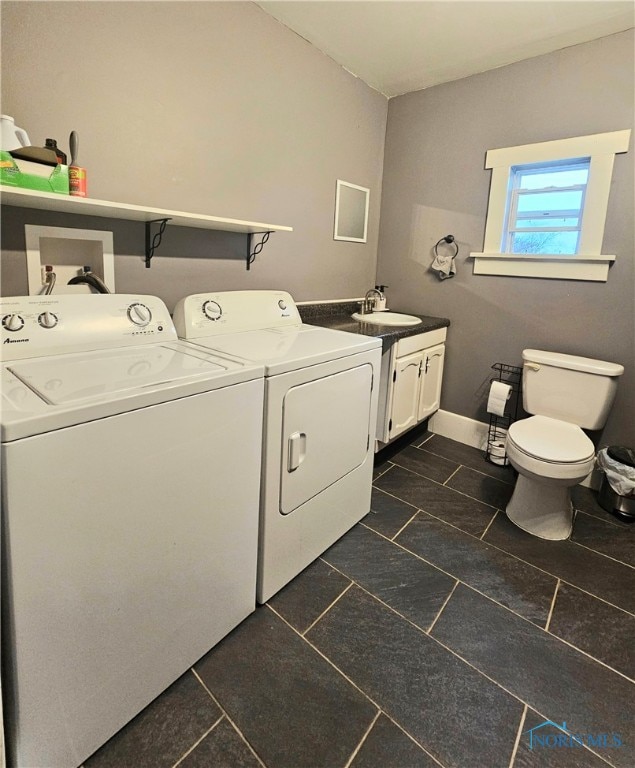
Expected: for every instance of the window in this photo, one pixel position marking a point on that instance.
(547, 208)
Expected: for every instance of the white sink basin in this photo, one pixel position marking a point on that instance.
(386, 318)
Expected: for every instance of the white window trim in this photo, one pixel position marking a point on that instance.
(589, 263)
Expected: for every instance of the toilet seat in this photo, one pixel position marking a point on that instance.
(550, 448)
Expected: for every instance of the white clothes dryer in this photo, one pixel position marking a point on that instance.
(131, 465)
(321, 389)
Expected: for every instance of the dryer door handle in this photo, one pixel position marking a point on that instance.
(297, 450)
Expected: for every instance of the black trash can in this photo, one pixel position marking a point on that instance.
(622, 460)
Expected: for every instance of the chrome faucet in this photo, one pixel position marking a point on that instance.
(370, 301)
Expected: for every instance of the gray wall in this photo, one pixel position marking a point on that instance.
(435, 184)
(207, 107)
(216, 108)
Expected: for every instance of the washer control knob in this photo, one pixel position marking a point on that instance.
(139, 314)
(212, 310)
(13, 322)
(47, 320)
(282, 304)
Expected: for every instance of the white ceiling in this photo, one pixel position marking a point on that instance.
(397, 47)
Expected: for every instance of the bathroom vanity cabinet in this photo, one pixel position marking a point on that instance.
(411, 378)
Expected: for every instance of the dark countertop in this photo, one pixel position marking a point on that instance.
(338, 317)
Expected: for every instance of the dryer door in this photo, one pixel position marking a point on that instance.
(325, 433)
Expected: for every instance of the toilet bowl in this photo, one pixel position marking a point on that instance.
(549, 450)
(550, 457)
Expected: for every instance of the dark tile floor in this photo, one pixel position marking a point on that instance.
(434, 633)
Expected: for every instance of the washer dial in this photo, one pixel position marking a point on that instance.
(282, 304)
(139, 314)
(13, 322)
(47, 320)
(212, 310)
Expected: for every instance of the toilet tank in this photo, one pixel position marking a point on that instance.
(570, 388)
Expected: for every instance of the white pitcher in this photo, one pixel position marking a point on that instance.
(12, 136)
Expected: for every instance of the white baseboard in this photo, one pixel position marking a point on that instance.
(459, 428)
(474, 433)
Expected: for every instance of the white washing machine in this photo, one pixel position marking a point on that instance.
(321, 390)
(131, 466)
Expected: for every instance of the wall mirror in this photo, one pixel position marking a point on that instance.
(351, 212)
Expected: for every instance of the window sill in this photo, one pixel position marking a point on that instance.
(557, 267)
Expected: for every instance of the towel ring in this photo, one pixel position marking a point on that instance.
(449, 239)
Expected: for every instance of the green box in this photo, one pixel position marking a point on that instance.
(17, 176)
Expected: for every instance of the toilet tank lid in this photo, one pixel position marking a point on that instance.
(573, 362)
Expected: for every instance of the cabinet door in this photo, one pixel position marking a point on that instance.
(405, 393)
(431, 378)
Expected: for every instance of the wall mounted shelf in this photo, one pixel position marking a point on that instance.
(48, 201)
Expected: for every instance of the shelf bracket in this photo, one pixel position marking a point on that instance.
(251, 255)
(154, 241)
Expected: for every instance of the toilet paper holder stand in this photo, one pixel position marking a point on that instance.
(512, 375)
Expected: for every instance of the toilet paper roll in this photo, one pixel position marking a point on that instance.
(499, 435)
(496, 450)
(499, 394)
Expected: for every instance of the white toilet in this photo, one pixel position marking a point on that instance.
(549, 450)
